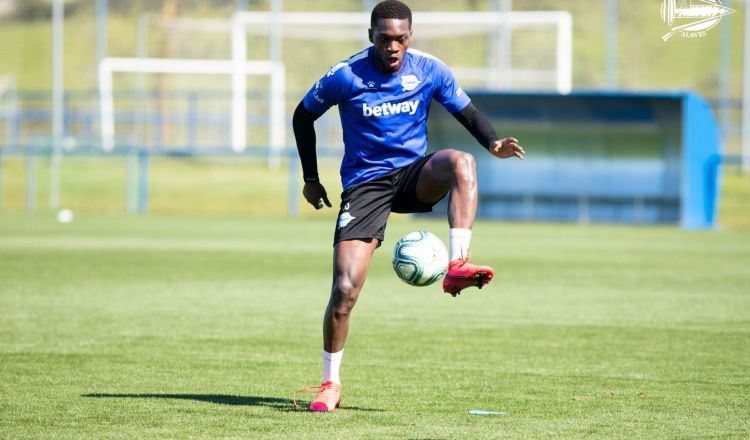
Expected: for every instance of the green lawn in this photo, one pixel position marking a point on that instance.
(179, 327)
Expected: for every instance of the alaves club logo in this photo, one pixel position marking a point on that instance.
(409, 83)
(344, 219)
(692, 18)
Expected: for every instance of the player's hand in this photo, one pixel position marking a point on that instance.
(315, 194)
(508, 147)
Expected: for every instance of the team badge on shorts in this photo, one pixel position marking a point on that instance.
(344, 219)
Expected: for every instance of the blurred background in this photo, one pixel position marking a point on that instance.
(184, 106)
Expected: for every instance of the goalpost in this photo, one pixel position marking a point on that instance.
(274, 70)
(9, 107)
(7, 84)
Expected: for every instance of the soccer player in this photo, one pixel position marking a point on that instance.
(384, 93)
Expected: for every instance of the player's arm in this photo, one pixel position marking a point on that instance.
(303, 123)
(479, 127)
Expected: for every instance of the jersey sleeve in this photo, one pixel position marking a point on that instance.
(448, 92)
(329, 90)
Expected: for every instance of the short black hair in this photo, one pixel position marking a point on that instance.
(390, 9)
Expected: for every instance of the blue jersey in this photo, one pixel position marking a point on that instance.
(384, 116)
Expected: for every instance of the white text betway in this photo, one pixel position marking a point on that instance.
(387, 109)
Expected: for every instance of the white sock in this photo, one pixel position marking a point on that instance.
(331, 365)
(460, 239)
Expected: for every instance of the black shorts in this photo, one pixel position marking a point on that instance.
(365, 207)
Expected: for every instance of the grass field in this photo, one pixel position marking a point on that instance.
(200, 319)
(186, 327)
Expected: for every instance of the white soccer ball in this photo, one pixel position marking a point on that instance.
(65, 216)
(420, 258)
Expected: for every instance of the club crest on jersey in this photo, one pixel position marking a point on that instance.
(409, 83)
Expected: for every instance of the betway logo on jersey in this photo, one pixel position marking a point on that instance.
(388, 109)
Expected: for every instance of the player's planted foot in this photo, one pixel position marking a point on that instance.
(461, 275)
(328, 398)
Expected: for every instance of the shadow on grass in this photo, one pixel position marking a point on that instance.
(224, 399)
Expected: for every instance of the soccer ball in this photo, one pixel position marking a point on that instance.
(420, 258)
(65, 216)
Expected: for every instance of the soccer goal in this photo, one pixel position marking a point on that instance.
(274, 70)
(498, 50)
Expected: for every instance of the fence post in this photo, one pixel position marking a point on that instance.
(131, 181)
(725, 51)
(745, 141)
(611, 73)
(192, 121)
(14, 121)
(30, 179)
(142, 181)
(58, 96)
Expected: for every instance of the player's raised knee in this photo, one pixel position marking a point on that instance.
(344, 295)
(464, 166)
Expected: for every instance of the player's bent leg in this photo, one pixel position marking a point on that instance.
(351, 260)
(456, 170)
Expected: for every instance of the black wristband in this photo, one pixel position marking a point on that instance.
(311, 179)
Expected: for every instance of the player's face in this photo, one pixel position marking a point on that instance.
(391, 37)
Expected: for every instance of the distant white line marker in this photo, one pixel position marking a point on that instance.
(479, 412)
